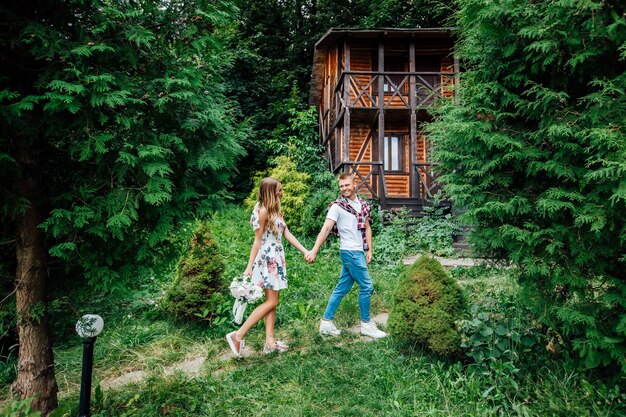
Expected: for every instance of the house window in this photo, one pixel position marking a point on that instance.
(393, 158)
(394, 64)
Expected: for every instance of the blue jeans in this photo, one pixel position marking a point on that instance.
(354, 268)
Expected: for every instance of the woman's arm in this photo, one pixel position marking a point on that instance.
(258, 234)
(294, 242)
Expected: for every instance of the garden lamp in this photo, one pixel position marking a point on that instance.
(88, 328)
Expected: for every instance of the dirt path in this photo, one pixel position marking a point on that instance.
(193, 365)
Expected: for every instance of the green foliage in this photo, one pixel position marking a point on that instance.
(296, 189)
(536, 151)
(495, 338)
(407, 14)
(126, 117)
(197, 288)
(404, 235)
(427, 305)
(298, 138)
(20, 408)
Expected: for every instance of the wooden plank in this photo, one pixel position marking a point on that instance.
(346, 92)
(412, 122)
(381, 120)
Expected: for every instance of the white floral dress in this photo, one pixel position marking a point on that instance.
(269, 270)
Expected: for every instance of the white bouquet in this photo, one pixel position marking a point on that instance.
(244, 292)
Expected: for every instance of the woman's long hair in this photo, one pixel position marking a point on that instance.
(268, 198)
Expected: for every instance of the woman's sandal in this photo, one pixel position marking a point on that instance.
(280, 347)
(231, 338)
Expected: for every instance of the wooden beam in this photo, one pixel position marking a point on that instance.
(346, 98)
(369, 138)
(332, 128)
(381, 120)
(413, 122)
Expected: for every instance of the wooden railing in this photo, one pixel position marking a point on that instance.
(426, 185)
(364, 88)
(364, 93)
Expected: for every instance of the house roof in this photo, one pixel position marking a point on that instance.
(335, 35)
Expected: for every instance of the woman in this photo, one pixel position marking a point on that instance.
(266, 266)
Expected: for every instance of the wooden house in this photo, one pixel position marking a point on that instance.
(373, 88)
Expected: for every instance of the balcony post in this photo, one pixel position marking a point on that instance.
(413, 122)
(381, 116)
(346, 97)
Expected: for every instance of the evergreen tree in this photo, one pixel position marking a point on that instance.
(115, 128)
(536, 151)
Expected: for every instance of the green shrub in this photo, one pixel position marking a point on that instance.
(197, 288)
(427, 304)
(296, 189)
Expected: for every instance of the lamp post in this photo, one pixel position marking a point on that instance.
(88, 328)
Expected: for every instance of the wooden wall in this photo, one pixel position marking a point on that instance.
(361, 60)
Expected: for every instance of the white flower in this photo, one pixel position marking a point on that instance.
(242, 289)
(257, 292)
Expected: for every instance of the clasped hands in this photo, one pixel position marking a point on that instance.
(310, 256)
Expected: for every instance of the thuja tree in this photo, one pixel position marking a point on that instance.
(536, 151)
(115, 128)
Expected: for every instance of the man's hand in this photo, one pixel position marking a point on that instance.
(310, 257)
(368, 256)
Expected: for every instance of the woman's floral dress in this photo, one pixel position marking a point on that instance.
(269, 270)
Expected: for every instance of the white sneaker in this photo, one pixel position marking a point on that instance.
(370, 329)
(327, 327)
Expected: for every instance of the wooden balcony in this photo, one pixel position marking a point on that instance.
(389, 90)
(383, 91)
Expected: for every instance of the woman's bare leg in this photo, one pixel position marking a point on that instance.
(270, 322)
(261, 311)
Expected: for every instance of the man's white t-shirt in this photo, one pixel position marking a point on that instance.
(350, 237)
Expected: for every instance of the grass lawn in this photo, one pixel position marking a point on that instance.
(346, 376)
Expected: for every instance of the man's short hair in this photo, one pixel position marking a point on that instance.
(346, 175)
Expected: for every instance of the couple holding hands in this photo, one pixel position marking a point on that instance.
(348, 216)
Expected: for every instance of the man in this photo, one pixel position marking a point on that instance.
(349, 216)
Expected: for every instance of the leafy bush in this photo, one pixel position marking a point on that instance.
(296, 189)
(394, 241)
(197, 288)
(434, 231)
(404, 235)
(426, 307)
(494, 339)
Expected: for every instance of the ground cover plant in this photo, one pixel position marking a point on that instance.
(319, 376)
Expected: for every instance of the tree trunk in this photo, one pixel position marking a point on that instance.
(35, 367)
